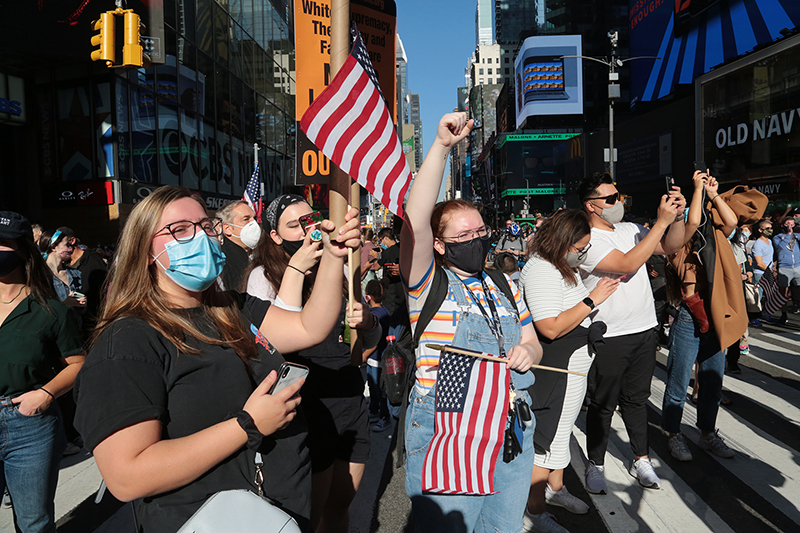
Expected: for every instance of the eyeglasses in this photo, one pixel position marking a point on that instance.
(484, 233)
(582, 253)
(184, 230)
(611, 199)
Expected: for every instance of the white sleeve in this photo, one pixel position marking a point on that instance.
(543, 290)
(259, 286)
(597, 252)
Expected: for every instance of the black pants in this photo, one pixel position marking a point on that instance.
(622, 370)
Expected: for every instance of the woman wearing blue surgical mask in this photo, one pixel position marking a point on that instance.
(174, 401)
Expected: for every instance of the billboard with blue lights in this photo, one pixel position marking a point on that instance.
(690, 37)
(549, 79)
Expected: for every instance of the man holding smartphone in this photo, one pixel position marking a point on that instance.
(623, 368)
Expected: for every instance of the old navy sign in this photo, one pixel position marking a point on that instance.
(761, 128)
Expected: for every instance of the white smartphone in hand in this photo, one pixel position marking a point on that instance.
(288, 373)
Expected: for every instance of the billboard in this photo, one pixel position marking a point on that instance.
(312, 25)
(548, 81)
(691, 37)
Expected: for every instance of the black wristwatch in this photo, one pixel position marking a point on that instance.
(588, 301)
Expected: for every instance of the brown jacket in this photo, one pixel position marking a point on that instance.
(728, 310)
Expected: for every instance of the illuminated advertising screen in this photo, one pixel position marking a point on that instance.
(690, 37)
(549, 78)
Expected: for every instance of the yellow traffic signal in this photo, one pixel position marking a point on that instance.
(104, 40)
(132, 52)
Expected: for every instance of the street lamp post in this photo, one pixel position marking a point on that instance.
(613, 93)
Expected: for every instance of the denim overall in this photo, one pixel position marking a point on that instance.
(496, 513)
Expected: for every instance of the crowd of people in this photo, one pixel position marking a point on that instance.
(173, 344)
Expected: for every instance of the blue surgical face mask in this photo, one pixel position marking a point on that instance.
(384, 247)
(194, 264)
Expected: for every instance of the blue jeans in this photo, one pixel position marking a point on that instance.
(688, 346)
(378, 405)
(30, 452)
(496, 513)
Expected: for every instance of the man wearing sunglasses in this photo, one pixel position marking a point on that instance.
(624, 364)
(787, 253)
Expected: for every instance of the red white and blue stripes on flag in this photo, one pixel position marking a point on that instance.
(472, 398)
(351, 124)
(774, 299)
(252, 194)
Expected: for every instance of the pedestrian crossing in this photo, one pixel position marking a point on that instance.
(757, 490)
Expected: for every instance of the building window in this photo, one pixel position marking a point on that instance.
(499, 81)
(489, 71)
(506, 60)
(508, 71)
(480, 72)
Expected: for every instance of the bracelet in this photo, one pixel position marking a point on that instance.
(254, 437)
(303, 273)
(717, 196)
(48, 392)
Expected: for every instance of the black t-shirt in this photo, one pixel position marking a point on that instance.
(394, 293)
(236, 261)
(93, 275)
(133, 374)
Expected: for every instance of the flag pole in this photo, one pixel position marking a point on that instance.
(341, 186)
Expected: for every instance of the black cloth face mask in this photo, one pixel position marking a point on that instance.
(9, 260)
(468, 256)
(291, 247)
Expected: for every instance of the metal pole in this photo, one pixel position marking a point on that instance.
(611, 140)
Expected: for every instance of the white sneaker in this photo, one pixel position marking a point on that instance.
(564, 499)
(541, 523)
(678, 448)
(643, 471)
(714, 444)
(596, 478)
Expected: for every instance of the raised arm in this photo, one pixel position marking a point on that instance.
(729, 218)
(291, 291)
(291, 331)
(628, 263)
(416, 243)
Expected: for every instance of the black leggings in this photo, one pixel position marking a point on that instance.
(623, 369)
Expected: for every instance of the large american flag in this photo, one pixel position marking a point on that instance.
(471, 411)
(774, 299)
(252, 193)
(351, 124)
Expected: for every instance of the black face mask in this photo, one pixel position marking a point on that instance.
(291, 247)
(468, 256)
(9, 260)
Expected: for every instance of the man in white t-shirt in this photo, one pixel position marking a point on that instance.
(624, 364)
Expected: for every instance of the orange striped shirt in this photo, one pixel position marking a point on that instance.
(442, 327)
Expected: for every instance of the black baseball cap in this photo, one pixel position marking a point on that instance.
(13, 226)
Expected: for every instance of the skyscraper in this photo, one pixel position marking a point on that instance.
(417, 122)
(403, 105)
(483, 23)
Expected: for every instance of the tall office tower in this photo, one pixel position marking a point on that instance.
(417, 122)
(514, 20)
(403, 104)
(483, 23)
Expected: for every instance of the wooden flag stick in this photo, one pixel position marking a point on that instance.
(482, 355)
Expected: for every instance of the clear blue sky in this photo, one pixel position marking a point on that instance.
(438, 36)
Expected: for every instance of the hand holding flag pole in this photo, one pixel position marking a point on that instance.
(490, 357)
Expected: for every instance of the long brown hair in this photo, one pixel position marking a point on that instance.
(38, 276)
(555, 237)
(132, 288)
(274, 260)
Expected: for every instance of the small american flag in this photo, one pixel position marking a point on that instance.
(252, 193)
(351, 124)
(471, 410)
(773, 295)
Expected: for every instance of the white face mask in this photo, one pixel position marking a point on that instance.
(613, 215)
(250, 234)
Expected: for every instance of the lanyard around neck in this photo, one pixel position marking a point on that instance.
(494, 322)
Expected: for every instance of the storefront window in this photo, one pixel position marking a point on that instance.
(143, 133)
(75, 133)
(103, 112)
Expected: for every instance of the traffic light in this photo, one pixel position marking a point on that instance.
(104, 40)
(132, 52)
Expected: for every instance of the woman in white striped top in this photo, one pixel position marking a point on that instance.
(561, 307)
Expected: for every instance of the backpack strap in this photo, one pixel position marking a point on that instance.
(433, 302)
(501, 282)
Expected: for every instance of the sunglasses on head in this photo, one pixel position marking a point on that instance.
(611, 199)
